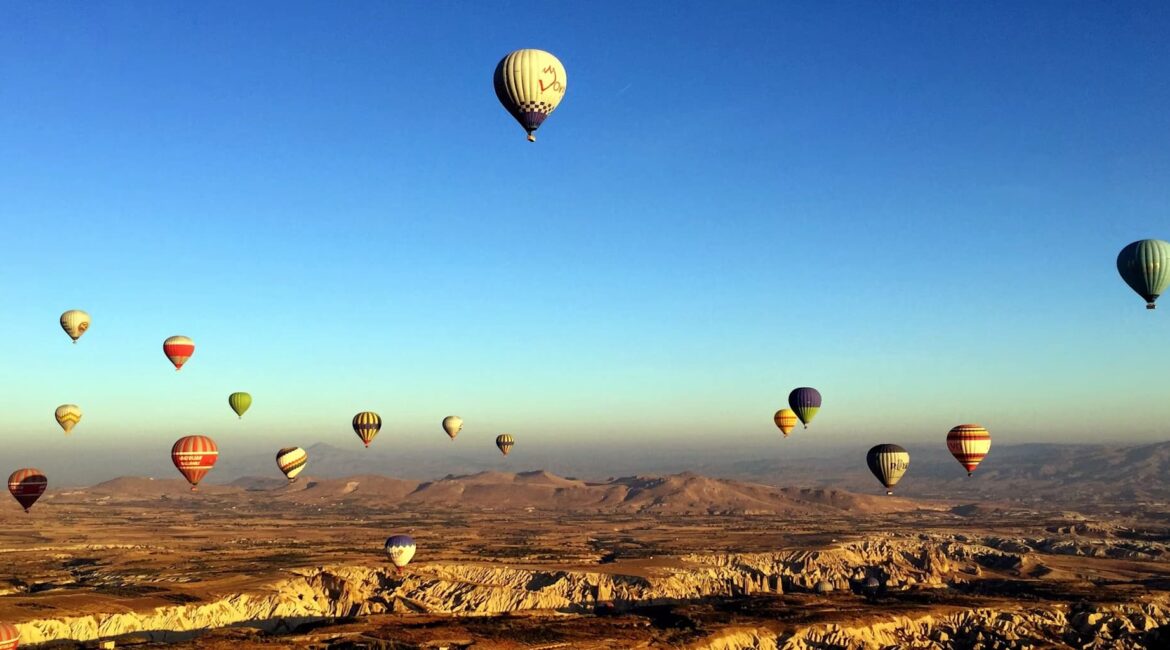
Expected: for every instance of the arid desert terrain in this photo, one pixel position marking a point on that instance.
(534, 560)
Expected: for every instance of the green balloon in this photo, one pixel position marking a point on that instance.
(1145, 267)
(239, 402)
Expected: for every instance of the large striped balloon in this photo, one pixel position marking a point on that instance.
(178, 349)
(194, 456)
(969, 443)
(1145, 267)
(27, 485)
(240, 402)
(805, 402)
(9, 637)
(786, 420)
(505, 441)
(888, 463)
(400, 549)
(75, 322)
(291, 460)
(452, 424)
(68, 415)
(530, 84)
(366, 425)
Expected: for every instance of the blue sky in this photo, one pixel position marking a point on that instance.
(914, 207)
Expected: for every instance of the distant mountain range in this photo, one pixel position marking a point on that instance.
(1099, 474)
(499, 491)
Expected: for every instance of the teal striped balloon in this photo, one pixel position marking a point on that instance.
(1145, 267)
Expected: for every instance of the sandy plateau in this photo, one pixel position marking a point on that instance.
(534, 560)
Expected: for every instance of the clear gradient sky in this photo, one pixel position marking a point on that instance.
(915, 207)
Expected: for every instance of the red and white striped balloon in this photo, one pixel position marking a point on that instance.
(969, 443)
(178, 349)
(194, 456)
(9, 637)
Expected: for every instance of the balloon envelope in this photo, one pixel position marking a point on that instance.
(194, 456)
(366, 425)
(452, 424)
(27, 485)
(969, 444)
(888, 463)
(400, 550)
(1145, 267)
(68, 415)
(805, 402)
(9, 637)
(75, 322)
(530, 84)
(291, 460)
(505, 441)
(178, 349)
(240, 402)
(786, 420)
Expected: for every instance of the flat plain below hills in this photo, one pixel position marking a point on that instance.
(535, 560)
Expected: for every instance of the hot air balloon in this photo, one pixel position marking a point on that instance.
(75, 322)
(366, 425)
(400, 548)
(505, 442)
(969, 443)
(178, 349)
(530, 84)
(452, 424)
(194, 456)
(68, 415)
(240, 403)
(1145, 267)
(9, 637)
(291, 460)
(888, 463)
(27, 485)
(805, 402)
(786, 420)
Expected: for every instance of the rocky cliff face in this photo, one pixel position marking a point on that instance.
(1114, 627)
(885, 562)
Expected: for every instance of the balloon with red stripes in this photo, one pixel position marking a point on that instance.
(194, 456)
(969, 444)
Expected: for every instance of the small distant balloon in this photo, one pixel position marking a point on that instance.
(291, 460)
(68, 415)
(240, 402)
(888, 463)
(178, 349)
(9, 637)
(400, 549)
(75, 322)
(530, 84)
(805, 402)
(1145, 267)
(27, 485)
(366, 425)
(969, 444)
(194, 456)
(786, 420)
(452, 424)
(504, 442)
